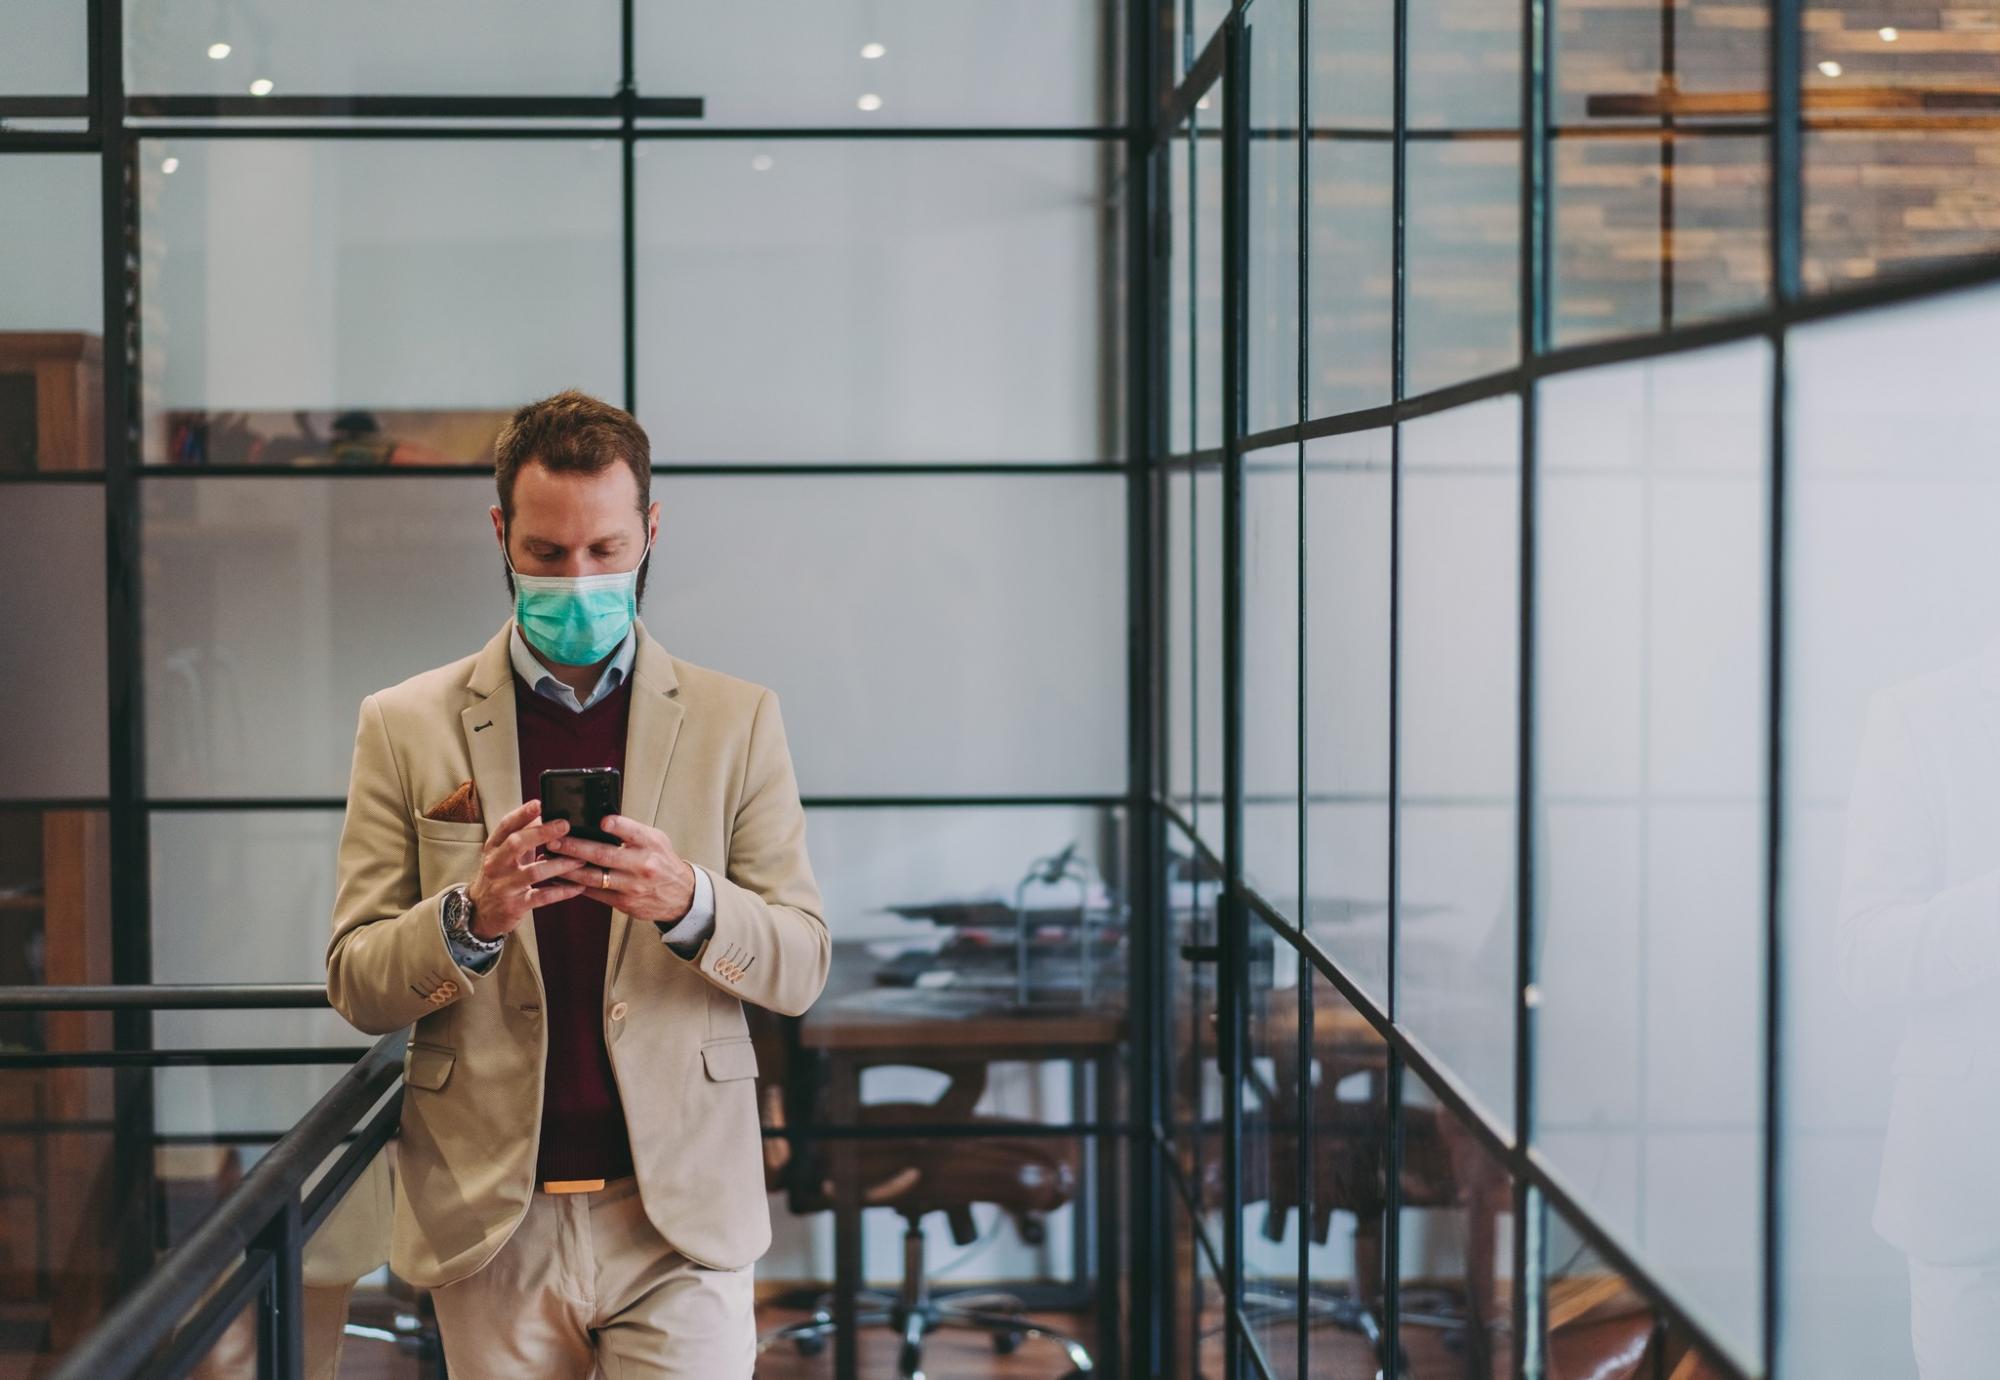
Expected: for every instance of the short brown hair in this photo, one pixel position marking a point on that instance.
(575, 432)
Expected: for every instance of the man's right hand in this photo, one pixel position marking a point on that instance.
(501, 894)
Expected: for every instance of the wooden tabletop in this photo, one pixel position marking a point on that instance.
(854, 1014)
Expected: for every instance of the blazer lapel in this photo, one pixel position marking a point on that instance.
(652, 728)
(492, 740)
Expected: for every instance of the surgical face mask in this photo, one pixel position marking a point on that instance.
(576, 619)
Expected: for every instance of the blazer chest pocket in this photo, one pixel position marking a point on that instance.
(447, 852)
(427, 1066)
(729, 1059)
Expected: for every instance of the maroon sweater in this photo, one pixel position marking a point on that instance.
(583, 1132)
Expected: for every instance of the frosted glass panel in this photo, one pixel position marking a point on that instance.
(357, 275)
(825, 300)
(810, 62)
(374, 47)
(1347, 703)
(1458, 588)
(1271, 637)
(915, 645)
(53, 690)
(1651, 639)
(49, 215)
(1891, 886)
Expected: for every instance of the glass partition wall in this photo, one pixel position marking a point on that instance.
(859, 271)
(1572, 728)
(1421, 551)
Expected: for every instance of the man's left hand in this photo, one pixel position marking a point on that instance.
(644, 876)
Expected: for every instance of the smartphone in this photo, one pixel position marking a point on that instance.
(583, 796)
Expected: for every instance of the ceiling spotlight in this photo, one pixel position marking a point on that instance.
(871, 101)
(218, 51)
(871, 51)
(1888, 34)
(1829, 69)
(761, 163)
(169, 165)
(261, 87)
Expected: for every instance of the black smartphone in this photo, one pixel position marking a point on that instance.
(583, 796)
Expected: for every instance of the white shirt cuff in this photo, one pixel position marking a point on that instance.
(699, 922)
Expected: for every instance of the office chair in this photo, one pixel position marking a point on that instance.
(1025, 1178)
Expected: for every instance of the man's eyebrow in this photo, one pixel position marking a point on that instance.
(606, 539)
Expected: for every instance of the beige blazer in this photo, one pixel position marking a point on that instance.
(705, 761)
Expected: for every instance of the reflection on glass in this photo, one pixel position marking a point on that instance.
(373, 47)
(1458, 586)
(1350, 82)
(1191, 886)
(1892, 864)
(1660, 163)
(1598, 1324)
(278, 605)
(1271, 636)
(1181, 152)
(1465, 63)
(1651, 637)
(1270, 1153)
(899, 299)
(1208, 651)
(810, 62)
(1456, 1238)
(1177, 691)
(53, 691)
(1207, 289)
(1659, 63)
(1350, 91)
(1902, 154)
(1653, 232)
(1197, 1348)
(378, 287)
(1463, 251)
(1351, 280)
(1272, 396)
(1346, 1171)
(1347, 703)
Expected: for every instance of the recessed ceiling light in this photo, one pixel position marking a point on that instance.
(1829, 69)
(218, 51)
(170, 165)
(761, 163)
(871, 101)
(261, 87)
(1888, 33)
(871, 51)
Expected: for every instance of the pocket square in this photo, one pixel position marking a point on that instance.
(460, 807)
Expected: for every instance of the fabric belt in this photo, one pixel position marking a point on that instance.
(578, 1185)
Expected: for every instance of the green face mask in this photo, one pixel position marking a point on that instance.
(576, 619)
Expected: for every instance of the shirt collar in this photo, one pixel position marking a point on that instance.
(544, 683)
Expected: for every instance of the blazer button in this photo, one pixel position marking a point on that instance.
(617, 1010)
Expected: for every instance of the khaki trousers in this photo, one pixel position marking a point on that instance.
(586, 1287)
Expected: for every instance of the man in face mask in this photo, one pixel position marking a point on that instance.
(580, 1181)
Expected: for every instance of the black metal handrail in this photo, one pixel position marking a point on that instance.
(251, 1243)
(190, 996)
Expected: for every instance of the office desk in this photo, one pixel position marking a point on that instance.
(851, 1029)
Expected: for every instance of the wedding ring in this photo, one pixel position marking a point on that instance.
(605, 885)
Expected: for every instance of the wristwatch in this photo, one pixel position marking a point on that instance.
(458, 923)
